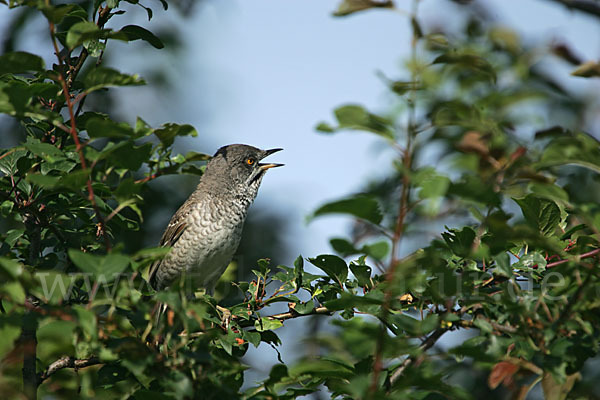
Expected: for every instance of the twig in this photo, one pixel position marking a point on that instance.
(495, 325)
(426, 345)
(288, 315)
(407, 160)
(575, 299)
(74, 135)
(582, 256)
(67, 362)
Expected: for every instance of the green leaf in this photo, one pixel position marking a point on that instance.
(353, 116)
(401, 87)
(168, 132)
(460, 242)
(80, 32)
(470, 62)
(350, 301)
(413, 326)
(304, 308)
(10, 329)
(343, 247)
(20, 62)
(97, 127)
(378, 250)
(6, 207)
(12, 236)
(431, 183)
(87, 321)
(45, 181)
(11, 267)
(44, 150)
(503, 267)
(348, 7)
(571, 148)
(105, 268)
(130, 156)
(266, 324)
(101, 77)
(56, 13)
(134, 32)
(334, 267)
(362, 274)
(541, 214)
(325, 127)
(531, 261)
(362, 207)
(483, 325)
(323, 368)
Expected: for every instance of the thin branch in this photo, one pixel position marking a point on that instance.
(403, 208)
(288, 315)
(74, 134)
(279, 317)
(149, 177)
(294, 314)
(566, 312)
(579, 257)
(498, 327)
(67, 362)
(425, 345)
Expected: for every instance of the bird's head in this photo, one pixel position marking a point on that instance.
(239, 167)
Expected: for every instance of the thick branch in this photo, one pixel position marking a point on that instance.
(67, 362)
(29, 345)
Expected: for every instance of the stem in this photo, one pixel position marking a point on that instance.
(426, 345)
(67, 362)
(74, 134)
(584, 255)
(403, 208)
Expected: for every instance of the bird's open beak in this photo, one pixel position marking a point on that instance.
(265, 167)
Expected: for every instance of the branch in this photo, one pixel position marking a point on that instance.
(67, 362)
(28, 341)
(74, 135)
(579, 257)
(287, 315)
(575, 299)
(403, 208)
(495, 325)
(425, 345)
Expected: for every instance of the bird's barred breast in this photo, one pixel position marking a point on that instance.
(208, 244)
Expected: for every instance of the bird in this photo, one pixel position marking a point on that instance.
(204, 233)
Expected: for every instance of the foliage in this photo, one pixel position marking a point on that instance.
(515, 267)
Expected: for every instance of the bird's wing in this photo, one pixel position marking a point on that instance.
(175, 229)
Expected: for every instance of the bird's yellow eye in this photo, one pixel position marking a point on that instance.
(250, 161)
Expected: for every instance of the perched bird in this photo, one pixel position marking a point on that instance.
(206, 230)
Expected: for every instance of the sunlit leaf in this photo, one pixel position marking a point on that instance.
(101, 77)
(362, 207)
